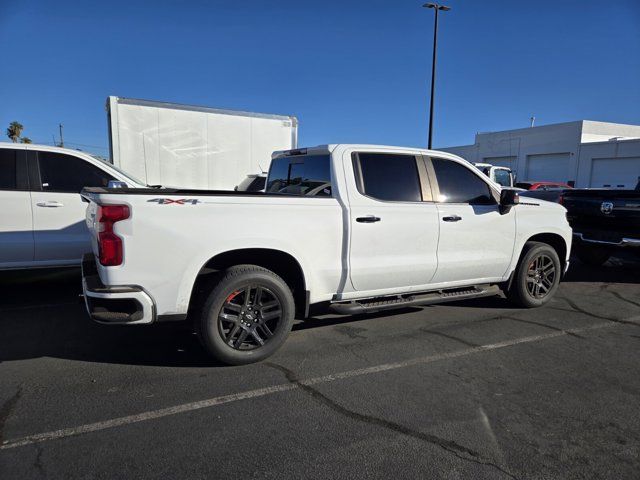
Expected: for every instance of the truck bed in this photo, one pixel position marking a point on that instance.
(178, 191)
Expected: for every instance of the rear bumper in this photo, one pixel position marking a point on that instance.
(623, 243)
(114, 305)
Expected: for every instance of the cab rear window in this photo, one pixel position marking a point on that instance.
(305, 175)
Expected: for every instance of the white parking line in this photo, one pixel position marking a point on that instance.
(261, 392)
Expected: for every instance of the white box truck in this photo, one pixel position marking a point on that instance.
(194, 147)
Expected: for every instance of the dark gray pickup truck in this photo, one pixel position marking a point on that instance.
(603, 221)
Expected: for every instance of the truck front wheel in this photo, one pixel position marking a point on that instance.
(537, 276)
(247, 316)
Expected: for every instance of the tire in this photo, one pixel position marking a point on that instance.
(594, 256)
(241, 311)
(537, 276)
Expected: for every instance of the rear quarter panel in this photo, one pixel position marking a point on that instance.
(167, 244)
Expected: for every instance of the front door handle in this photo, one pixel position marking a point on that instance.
(50, 204)
(368, 219)
(452, 218)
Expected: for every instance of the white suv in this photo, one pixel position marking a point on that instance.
(42, 216)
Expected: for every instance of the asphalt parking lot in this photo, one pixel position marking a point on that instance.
(474, 389)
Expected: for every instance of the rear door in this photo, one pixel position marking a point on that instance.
(16, 221)
(476, 240)
(393, 222)
(60, 233)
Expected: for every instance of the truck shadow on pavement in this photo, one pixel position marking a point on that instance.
(616, 270)
(42, 315)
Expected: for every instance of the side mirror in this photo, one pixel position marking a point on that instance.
(508, 199)
(116, 184)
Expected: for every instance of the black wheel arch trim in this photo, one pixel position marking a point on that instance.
(282, 263)
(554, 240)
(547, 238)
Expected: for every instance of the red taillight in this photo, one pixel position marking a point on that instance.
(109, 244)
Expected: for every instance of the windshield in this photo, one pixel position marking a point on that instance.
(122, 172)
(503, 177)
(253, 183)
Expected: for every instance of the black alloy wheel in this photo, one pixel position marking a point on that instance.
(537, 276)
(541, 276)
(249, 317)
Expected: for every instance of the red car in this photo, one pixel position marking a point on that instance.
(542, 185)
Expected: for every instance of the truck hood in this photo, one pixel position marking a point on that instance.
(526, 200)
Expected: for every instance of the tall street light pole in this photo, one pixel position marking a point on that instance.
(436, 7)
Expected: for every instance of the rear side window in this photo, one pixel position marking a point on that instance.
(7, 169)
(388, 177)
(459, 184)
(66, 173)
(308, 175)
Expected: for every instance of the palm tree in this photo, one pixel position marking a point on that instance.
(25, 140)
(14, 131)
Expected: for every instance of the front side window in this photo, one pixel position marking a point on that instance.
(66, 173)
(308, 175)
(7, 169)
(459, 184)
(389, 177)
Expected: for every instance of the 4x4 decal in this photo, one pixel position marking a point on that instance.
(168, 201)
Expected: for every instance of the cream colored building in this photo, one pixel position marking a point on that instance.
(588, 153)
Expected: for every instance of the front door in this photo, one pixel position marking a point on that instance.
(60, 232)
(476, 240)
(394, 231)
(16, 222)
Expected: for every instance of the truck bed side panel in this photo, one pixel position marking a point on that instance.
(168, 239)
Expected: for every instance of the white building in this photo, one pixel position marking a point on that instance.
(591, 154)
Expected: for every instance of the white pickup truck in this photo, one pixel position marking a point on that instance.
(503, 176)
(344, 228)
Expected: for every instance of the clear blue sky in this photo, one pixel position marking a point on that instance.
(350, 70)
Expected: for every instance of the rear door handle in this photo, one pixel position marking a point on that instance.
(452, 218)
(368, 219)
(50, 204)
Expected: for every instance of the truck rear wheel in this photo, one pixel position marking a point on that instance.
(537, 276)
(247, 316)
